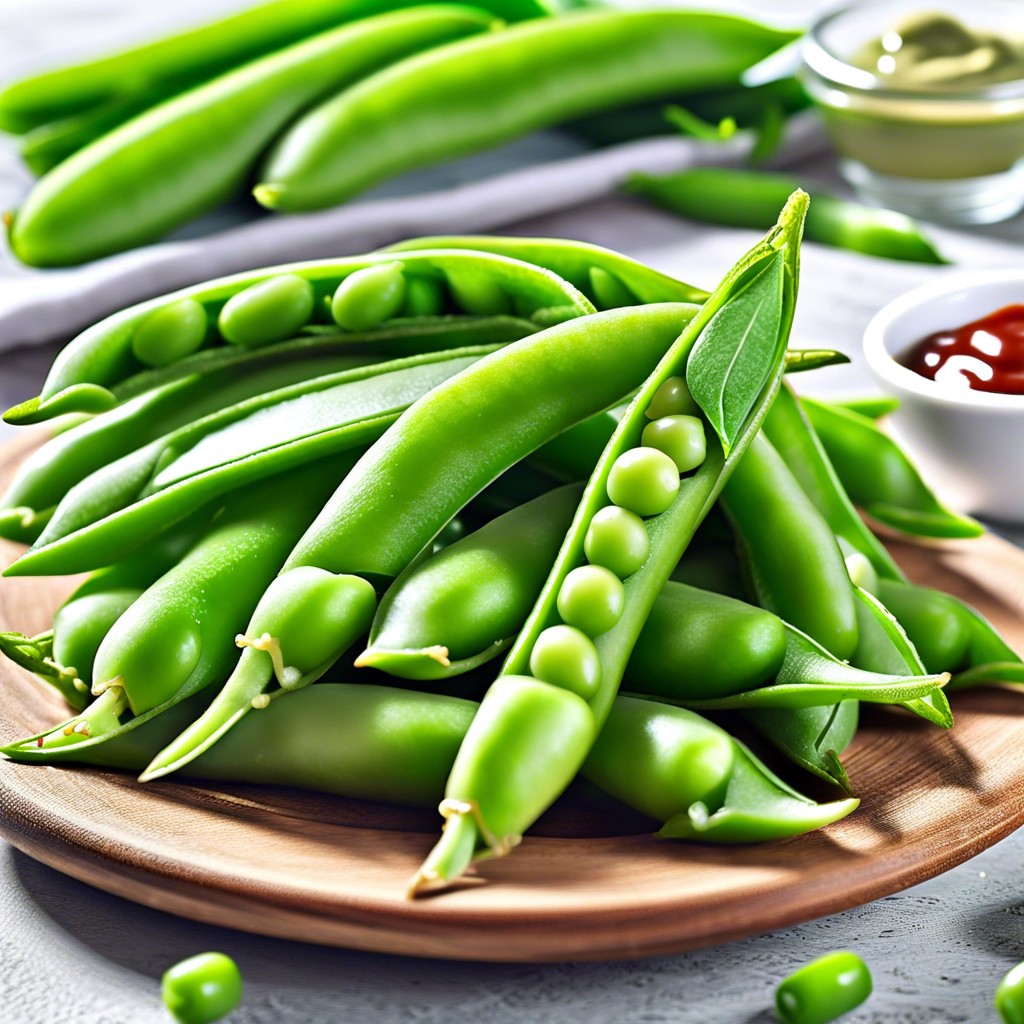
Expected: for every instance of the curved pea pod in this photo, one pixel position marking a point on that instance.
(879, 478)
(694, 778)
(47, 475)
(932, 621)
(462, 607)
(126, 189)
(620, 280)
(115, 510)
(534, 75)
(177, 638)
(88, 370)
(795, 564)
(744, 324)
(790, 431)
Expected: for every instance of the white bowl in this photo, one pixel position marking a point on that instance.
(968, 444)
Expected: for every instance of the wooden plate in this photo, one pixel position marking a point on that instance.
(321, 869)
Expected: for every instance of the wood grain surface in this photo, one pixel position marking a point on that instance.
(322, 869)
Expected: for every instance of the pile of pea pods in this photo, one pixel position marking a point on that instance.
(473, 517)
(305, 103)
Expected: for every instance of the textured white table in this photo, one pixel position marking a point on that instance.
(74, 955)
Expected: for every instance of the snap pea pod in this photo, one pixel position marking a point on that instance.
(793, 437)
(115, 510)
(35, 655)
(383, 743)
(400, 495)
(50, 472)
(593, 269)
(748, 199)
(874, 407)
(539, 720)
(101, 357)
(185, 58)
(177, 637)
(127, 188)
(879, 478)
(795, 564)
(464, 98)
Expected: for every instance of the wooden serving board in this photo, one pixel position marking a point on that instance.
(322, 869)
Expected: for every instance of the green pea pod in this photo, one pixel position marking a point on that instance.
(126, 189)
(932, 621)
(795, 564)
(101, 357)
(180, 60)
(748, 199)
(575, 262)
(535, 75)
(874, 407)
(399, 496)
(178, 637)
(793, 437)
(115, 510)
(879, 478)
(461, 608)
(700, 782)
(47, 475)
(531, 736)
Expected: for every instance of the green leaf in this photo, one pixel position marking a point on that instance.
(733, 356)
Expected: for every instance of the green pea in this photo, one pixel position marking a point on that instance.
(565, 657)
(673, 398)
(477, 293)
(1009, 999)
(170, 333)
(202, 989)
(858, 565)
(369, 296)
(272, 310)
(823, 990)
(608, 291)
(592, 599)
(680, 437)
(616, 538)
(423, 297)
(643, 480)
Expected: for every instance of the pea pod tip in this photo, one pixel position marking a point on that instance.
(269, 194)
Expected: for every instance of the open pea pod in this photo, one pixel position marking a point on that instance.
(540, 718)
(115, 510)
(606, 277)
(879, 477)
(97, 360)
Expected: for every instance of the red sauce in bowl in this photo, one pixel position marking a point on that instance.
(984, 355)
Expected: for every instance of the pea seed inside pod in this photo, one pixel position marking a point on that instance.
(369, 296)
(592, 599)
(170, 333)
(565, 657)
(608, 291)
(270, 311)
(680, 437)
(644, 481)
(476, 293)
(616, 539)
(423, 297)
(673, 398)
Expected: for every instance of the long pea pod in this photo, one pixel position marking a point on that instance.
(382, 743)
(117, 509)
(530, 736)
(85, 371)
(179, 60)
(879, 478)
(748, 199)
(464, 98)
(185, 156)
(400, 494)
(606, 277)
(793, 437)
(49, 472)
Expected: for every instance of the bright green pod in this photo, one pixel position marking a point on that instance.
(644, 481)
(171, 333)
(608, 291)
(202, 989)
(703, 645)
(823, 990)
(264, 313)
(1009, 997)
(368, 297)
(681, 438)
(592, 599)
(933, 621)
(80, 626)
